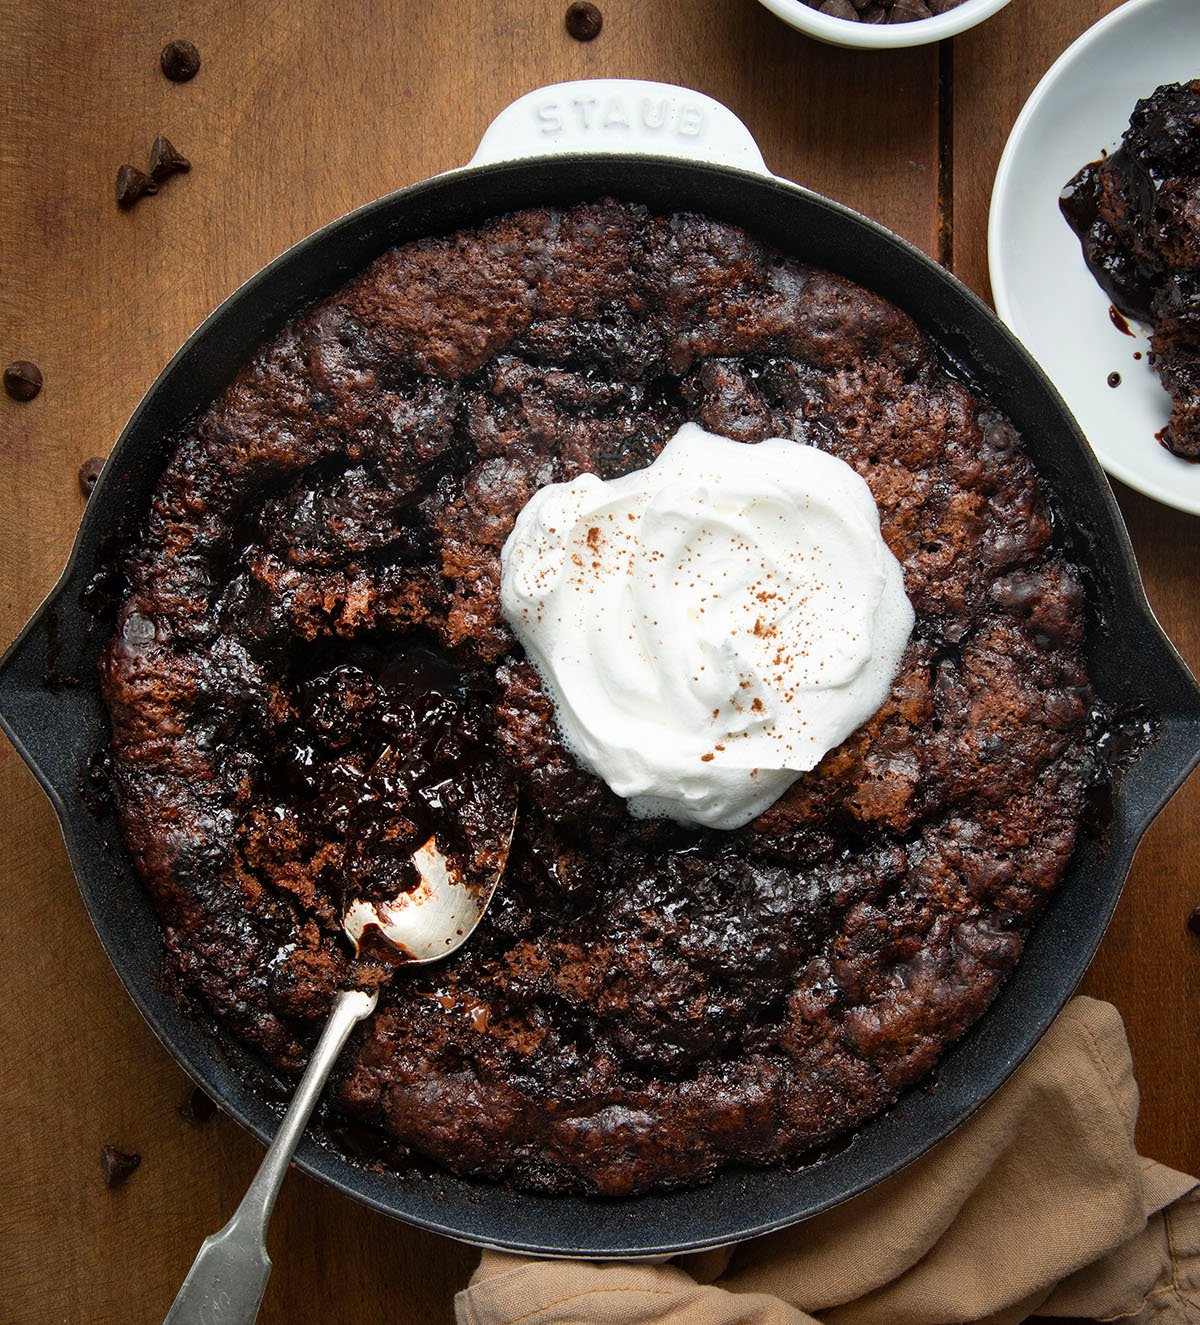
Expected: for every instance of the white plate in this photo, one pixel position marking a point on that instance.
(1042, 287)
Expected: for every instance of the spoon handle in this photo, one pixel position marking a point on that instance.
(229, 1275)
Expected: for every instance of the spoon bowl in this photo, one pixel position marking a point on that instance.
(436, 917)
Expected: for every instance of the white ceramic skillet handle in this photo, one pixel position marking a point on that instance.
(619, 115)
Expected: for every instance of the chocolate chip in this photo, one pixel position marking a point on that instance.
(874, 13)
(165, 159)
(1114, 379)
(180, 61)
(197, 1109)
(909, 11)
(22, 379)
(117, 1165)
(839, 9)
(943, 6)
(584, 21)
(138, 629)
(89, 472)
(1193, 922)
(131, 184)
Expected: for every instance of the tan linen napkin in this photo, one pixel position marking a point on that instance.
(1039, 1204)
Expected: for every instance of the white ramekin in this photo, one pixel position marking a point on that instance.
(882, 36)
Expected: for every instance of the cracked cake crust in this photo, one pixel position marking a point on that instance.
(317, 582)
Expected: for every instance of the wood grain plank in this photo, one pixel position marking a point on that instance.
(1149, 965)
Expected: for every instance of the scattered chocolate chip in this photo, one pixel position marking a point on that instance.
(180, 61)
(89, 472)
(117, 1165)
(197, 1109)
(131, 184)
(839, 9)
(165, 159)
(1193, 922)
(22, 379)
(584, 21)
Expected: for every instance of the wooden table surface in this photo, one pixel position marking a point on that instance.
(301, 112)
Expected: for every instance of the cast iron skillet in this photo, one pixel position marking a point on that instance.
(57, 723)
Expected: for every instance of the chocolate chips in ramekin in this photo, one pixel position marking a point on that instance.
(883, 11)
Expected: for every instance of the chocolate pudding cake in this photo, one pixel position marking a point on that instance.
(1137, 215)
(312, 675)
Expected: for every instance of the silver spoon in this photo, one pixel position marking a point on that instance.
(227, 1280)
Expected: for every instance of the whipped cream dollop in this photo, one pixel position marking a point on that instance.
(710, 626)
